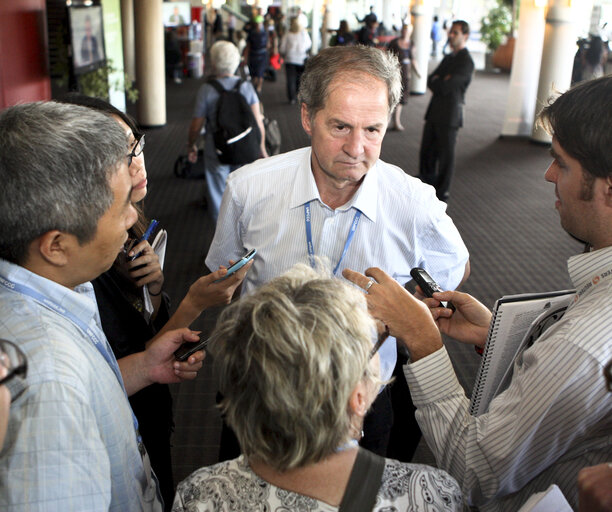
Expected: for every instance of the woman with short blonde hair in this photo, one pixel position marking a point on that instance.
(298, 370)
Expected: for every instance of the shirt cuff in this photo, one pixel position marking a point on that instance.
(432, 378)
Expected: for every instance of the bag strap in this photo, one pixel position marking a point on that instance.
(218, 87)
(364, 483)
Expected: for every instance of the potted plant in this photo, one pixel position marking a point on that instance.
(495, 28)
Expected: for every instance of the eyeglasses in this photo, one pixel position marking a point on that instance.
(379, 342)
(12, 361)
(138, 147)
(608, 375)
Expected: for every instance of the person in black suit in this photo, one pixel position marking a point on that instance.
(444, 116)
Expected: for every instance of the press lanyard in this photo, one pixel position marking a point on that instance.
(97, 341)
(310, 246)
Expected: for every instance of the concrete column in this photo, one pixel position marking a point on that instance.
(325, 26)
(150, 62)
(557, 59)
(421, 19)
(127, 27)
(520, 110)
(317, 6)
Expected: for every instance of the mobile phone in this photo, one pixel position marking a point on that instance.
(189, 348)
(239, 264)
(428, 285)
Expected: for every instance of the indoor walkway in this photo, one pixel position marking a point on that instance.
(499, 200)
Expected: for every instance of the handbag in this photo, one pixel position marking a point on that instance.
(364, 483)
(183, 168)
(273, 136)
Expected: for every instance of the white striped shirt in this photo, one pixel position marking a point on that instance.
(555, 417)
(403, 225)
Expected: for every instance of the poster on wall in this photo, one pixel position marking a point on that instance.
(176, 13)
(87, 38)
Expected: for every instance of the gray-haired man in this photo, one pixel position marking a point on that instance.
(72, 441)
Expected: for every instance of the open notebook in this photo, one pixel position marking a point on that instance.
(518, 320)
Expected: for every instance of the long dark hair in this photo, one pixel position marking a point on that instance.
(75, 98)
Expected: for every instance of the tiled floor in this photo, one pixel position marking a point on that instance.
(499, 201)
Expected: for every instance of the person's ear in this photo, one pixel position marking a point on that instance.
(358, 401)
(306, 121)
(54, 247)
(608, 191)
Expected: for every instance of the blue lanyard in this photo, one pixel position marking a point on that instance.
(310, 246)
(97, 341)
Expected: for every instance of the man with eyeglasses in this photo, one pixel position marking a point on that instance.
(73, 441)
(555, 417)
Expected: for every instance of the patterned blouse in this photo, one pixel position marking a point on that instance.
(232, 485)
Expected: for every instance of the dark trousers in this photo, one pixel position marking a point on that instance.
(294, 74)
(437, 157)
(405, 433)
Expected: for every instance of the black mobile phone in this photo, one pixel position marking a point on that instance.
(189, 348)
(239, 264)
(428, 285)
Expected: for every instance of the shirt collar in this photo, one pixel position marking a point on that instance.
(585, 267)
(305, 189)
(80, 301)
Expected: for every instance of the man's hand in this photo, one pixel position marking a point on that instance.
(407, 318)
(468, 324)
(595, 489)
(192, 156)
(159, 362)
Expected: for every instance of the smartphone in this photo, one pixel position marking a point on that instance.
(189, 348)
(239, 264)
(428, 285)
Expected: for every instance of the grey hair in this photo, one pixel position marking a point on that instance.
(225, 57)
(56, 161)
(322, 69)
(288, 358)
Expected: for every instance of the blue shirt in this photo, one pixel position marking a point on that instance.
(71, 443)
(402, 226)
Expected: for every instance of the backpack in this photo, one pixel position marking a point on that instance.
(237, 137)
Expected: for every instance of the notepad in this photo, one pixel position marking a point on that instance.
(518, 320)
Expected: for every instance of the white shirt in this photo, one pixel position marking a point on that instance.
(555, 417)
(402, 226)
(294, 47)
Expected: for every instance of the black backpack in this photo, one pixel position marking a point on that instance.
(237, 137)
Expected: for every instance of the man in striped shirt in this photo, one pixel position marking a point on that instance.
(556, 415)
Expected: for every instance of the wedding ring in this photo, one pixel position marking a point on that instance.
(369, 285)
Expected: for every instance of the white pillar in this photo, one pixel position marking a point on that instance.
(317, 7)
(389, 7)
(557, 59)
(422, 19)
(325, 26)
(127, 28)
(150, 62)
(520, 109)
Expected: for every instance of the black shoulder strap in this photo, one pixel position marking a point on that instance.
(364, 483)
(219, 88)
(238, 84)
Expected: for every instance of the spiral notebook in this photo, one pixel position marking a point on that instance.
(518, 320)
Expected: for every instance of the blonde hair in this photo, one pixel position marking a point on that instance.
(288, 358)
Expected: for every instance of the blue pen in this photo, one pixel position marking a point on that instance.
(144, 237)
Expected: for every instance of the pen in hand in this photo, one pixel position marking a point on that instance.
(144, 237)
